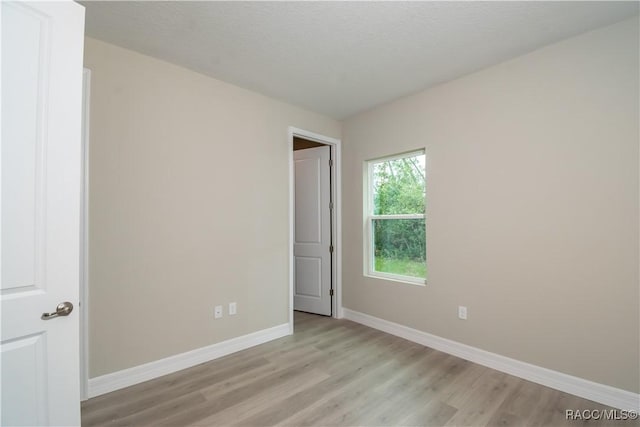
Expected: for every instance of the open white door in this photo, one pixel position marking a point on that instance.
(42, 45)
(312, 234)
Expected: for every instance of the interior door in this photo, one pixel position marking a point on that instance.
(42, 46)
(311, 249)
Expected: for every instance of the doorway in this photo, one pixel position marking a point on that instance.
(309, 257)
(312, 236)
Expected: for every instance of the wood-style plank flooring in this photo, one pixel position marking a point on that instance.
(337, 373)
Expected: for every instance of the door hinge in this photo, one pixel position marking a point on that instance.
(330, 162)
(330, 292)
(331, 206)
(331, 249)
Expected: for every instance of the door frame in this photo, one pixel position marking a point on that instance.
(336, 217)
(84, 237)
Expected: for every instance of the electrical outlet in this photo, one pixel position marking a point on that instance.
(462, 312)
(232, 308)
(217, 311)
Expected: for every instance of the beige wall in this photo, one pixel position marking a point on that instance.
(532, 213)
(188, 208)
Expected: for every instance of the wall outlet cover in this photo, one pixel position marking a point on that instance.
(462, 312)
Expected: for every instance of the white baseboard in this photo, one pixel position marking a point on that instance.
(601, 393)
(131, 376)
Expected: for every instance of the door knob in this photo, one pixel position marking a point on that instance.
(63, 309)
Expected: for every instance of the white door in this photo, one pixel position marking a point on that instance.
(42, 45)
(311, 249)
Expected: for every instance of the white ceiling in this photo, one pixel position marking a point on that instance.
(340, 58)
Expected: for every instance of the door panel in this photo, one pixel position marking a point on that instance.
(24, 366)
(308, 277)
(312, 259)
(308, 204)
(42, 47)
(21, 163)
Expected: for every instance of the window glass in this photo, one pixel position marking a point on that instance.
(396, 243)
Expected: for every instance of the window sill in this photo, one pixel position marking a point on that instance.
(399, 279)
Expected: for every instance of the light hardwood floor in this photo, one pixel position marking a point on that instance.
(337, 373)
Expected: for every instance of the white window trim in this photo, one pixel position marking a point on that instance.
(369, 270)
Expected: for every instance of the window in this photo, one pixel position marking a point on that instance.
(396, 234)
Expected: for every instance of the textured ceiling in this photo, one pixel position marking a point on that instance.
(340, 58)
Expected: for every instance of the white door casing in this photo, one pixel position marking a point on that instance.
(42, 47)
(312, 231)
